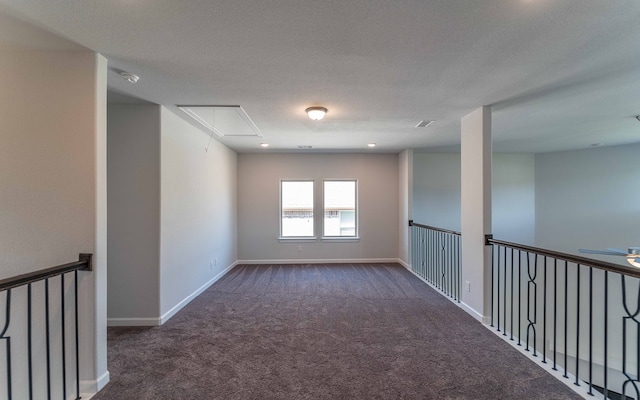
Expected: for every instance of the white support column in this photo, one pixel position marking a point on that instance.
(476, 212)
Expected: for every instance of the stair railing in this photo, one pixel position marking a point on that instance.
(435, 257)
(48, 371)
(569, 311)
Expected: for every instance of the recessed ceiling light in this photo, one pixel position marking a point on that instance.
(371, 144)
(264, 144)
(129, 77)
(316, 113)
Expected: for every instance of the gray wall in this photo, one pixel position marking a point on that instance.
(133, 159)
(53, 193)
(436, 193)
(514, 198)
(436, 190)
(198, 208)
(173, 218)
(588, 199)
(259, 178)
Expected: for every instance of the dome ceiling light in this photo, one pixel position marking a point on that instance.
(316, 113)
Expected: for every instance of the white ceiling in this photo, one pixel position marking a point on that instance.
(560, 74)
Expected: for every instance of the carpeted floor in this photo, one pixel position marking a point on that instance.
(365, 331)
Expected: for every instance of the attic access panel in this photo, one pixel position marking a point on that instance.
(224, 121)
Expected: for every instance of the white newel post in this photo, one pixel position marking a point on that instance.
(476, 211)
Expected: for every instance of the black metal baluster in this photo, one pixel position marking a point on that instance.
(519, 296)
(630, 316)
(432, 276)
(555, 313)
(577, 325)
(544, 313)
(427, 270)
(493, 266)
(7, 340)
(459, 270)
(415, 260)
(64, 351)
(591, 331)
(48, 338)
(436, 254)
(532, 288)
(423, 253)
(75, 294)
(606, 333)
(29, 341)
(417, 251)
(566, 291)
(504, 290)
(448, 256)
(498, 288)
(512, 296)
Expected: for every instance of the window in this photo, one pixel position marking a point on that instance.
(340, 211)
(296, 209)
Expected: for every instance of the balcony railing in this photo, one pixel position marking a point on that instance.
(435, 257)
(41, 347)
(577, 314)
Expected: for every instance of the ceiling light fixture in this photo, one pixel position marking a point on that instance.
(316, 113)
(371, 144)
(264, 145)
(129, 77)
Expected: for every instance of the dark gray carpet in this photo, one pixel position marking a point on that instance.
(365, 331)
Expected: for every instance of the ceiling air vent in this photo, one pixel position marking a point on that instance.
(305, 147)
(224, 121)
(424, 124)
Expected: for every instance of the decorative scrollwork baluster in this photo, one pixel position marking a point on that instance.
(532, 291)
(628, 319)
(7, 340)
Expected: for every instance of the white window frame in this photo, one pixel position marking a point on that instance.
(311, 238)
(356, 236)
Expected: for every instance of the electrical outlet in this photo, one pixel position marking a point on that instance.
(467, 286)
(210, 264)
(300, 248)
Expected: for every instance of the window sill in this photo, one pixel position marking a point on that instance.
(345, 239)
(297, 239)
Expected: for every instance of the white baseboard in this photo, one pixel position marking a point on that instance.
(90, 387)
(320, 261)
(166, 316)
(133, 321)
(474, 313)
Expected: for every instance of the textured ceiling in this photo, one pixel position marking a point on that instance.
(560, 74)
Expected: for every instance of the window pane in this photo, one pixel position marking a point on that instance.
(296, 208)
(340, 208)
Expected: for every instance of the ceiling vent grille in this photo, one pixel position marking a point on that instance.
(424, 123)
(224, 121)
